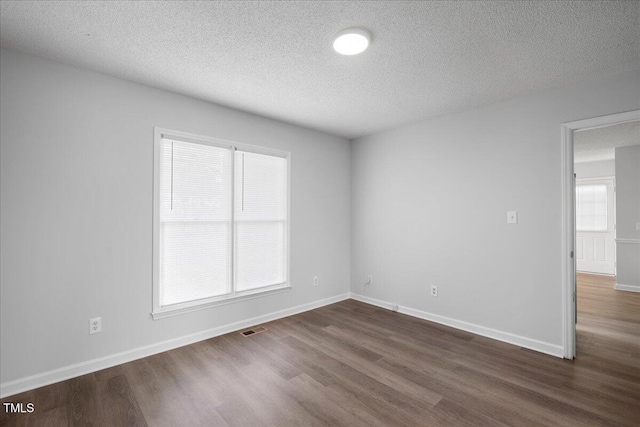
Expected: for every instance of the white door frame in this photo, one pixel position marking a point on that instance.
(568, 220)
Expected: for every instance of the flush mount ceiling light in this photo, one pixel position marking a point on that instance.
(351, 41)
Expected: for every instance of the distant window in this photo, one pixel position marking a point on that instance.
(220, 221)
(591, 207)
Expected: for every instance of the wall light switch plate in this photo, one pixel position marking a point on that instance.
(512, 217)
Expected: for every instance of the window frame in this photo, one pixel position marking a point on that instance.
(159, 311)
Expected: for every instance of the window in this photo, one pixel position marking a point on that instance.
(591, 207)
(220, 222)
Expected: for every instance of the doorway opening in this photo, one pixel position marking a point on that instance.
(601, 230)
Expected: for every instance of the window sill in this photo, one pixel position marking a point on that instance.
(170, 311)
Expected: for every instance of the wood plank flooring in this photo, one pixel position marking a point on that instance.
(353, 364)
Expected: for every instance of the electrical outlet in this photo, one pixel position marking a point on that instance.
(434, 291)
(512, 217)
(315, 281)
(95, 325)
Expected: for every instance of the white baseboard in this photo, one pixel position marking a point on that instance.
(533, 344)
(372, 301)
(39, 380)
(628, 288)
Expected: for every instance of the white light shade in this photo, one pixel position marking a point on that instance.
(351, 42)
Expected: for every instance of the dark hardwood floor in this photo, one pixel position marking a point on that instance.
(608, 329)
(354, 364)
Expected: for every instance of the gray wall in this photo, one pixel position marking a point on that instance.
(596, 169)
(428, 206)
(628, 215)
(76, 212)
(429, 203)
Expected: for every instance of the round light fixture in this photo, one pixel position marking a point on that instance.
(352, 41)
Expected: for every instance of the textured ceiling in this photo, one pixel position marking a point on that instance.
(275, 58)
(599, 144)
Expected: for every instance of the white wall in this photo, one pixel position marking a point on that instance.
(76, 212)
(429, 203)
(628, 215)
(428, 206)
(597, 169)
(628, 191)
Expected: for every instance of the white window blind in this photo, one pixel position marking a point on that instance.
(195, 216)
(591, 207)
(222, 223)
(260, 217)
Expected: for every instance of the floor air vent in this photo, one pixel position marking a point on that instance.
(253, 331)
